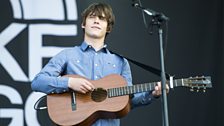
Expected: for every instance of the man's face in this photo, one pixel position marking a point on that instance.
(95, 26)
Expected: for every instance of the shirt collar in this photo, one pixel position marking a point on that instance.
(85, 46)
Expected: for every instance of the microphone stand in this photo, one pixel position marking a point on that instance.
(158, 19)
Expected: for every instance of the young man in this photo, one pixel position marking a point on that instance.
(91, 60)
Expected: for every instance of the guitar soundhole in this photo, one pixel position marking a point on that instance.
(99, 94)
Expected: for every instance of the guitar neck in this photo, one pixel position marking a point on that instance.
(137, 88)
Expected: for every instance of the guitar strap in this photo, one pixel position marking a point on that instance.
(144, 66)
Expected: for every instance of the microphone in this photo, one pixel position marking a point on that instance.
(149, 11)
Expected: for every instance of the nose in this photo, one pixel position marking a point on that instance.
(96, 20)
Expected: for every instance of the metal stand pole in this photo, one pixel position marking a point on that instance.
(158, 19)
(163, 78)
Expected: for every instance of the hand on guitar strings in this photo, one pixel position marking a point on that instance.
(157, 91)
(80, 85)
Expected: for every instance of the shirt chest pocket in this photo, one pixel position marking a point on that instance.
(111, 67)
(78, 66)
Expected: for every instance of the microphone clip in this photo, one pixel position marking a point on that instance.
(157, 15)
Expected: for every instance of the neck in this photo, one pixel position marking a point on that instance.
(96, 43)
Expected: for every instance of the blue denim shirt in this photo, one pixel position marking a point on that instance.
(85, 61)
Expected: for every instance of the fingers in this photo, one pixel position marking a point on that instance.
(157, 91)
(83, 90)
(80, 84)
(89, 85)
(86, 87)
(167, 89)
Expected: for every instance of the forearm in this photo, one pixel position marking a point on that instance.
(49, 84)
(141, 99)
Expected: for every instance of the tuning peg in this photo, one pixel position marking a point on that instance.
(198, 89)
(204, 90)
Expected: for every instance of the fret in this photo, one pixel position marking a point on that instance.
(134, 88)
(123, 91)
(182, 80)
(112, 91)
(130, 87)
(179, 82)
(171, 82)
(148, 86)
(131, 91)
(154, 85)
(143, 89)
(119, 91)
(109, 92)
(145, 85)
(175, 83)
(115, 91)
(126, 90)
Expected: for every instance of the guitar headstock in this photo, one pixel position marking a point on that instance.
(198, 83)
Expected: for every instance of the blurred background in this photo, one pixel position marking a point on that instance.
(32, 31)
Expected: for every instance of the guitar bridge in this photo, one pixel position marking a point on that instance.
(73, 101)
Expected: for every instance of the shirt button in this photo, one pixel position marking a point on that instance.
(52, 92)
(96, 64)
(77, 61)
(96, 77)
(114, 65)
(96, 53)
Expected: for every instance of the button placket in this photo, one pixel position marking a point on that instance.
(96, 66)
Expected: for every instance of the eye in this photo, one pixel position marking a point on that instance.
(91, 16)
(102, 18)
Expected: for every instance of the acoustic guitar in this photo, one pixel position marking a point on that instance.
(110, 99)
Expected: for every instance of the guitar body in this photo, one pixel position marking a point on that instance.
(88, 109)
(74, 108)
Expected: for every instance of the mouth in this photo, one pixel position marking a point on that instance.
(96, 27)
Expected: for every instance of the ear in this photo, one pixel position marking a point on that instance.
(83, 26)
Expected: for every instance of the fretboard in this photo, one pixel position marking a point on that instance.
(120, 91)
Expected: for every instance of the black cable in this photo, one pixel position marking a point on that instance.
(37, 103)
(143, 15)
